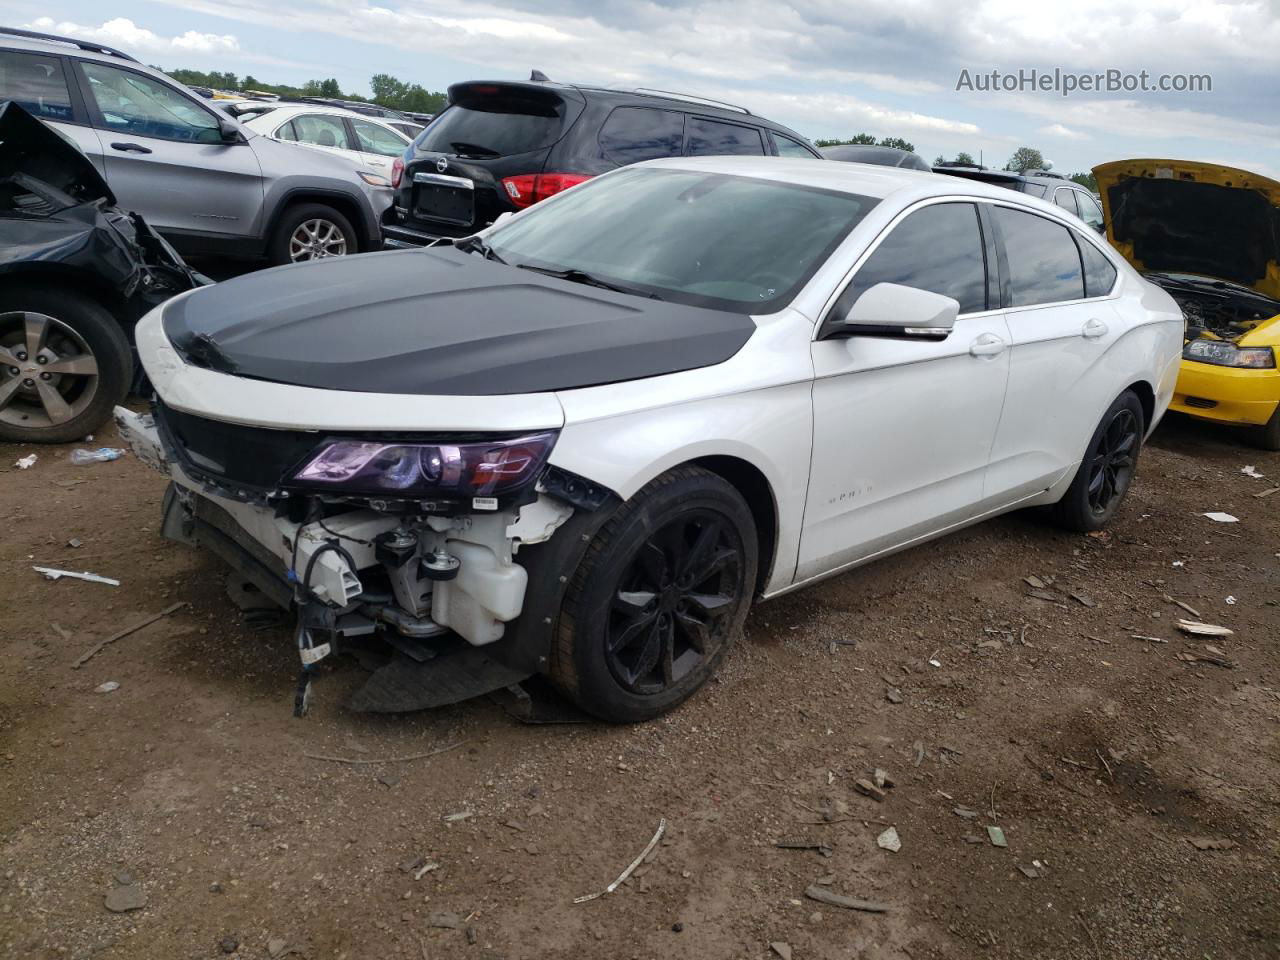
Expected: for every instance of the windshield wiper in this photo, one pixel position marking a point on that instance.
(574, 275)
(476, 245)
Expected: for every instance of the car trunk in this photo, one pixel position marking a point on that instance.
(491, 132)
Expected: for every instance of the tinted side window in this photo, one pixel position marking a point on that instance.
(709, 138)
(134, 103)
(36, 83)
(1065, 197)
(1035, 189)
(790, 148)
(376, 139)
(287, 132)
(938, 248)
(1099, 272)
(1090, 212)
(632, 134)
(1044, 264)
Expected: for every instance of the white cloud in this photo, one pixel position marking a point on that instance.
(123, 32)
(1058, 130)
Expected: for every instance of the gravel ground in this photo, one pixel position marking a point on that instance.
(189, 794)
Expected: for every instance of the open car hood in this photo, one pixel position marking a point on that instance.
(1179, 216)
(30, 148)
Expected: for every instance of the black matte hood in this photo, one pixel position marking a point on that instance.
(30, 148)
(443, 322)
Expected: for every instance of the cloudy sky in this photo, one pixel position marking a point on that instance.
(825, 67)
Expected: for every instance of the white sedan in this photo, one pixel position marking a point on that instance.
(581, 443)
(371, 144)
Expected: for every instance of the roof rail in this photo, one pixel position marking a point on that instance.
(1042, 173)
(82, 44)
(653, 92)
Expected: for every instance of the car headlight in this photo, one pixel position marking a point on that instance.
(487, 468)
(373, 179)
(1227, 354)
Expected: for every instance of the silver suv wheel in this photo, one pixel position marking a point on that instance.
(316, 238)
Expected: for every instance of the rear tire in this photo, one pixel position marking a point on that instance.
(1267, 436)
(1107, 469)
(80, 370)
(311, 231)
(658, 598)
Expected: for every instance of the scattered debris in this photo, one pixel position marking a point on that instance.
(1185, 606)
(126, 897)
(1083, 600)
(388, 779)
(823, 895)
(805, 843)
(358, 761)
(1252, 471)
(868, 789)
(1138, 636)
(144, 622)
(882, 778)
(1217, 660)
(972, 838)
(893, 695)
(1089, 636)
(109, 687)
(919, 748)
(228, 944)
(662, 828)
(965, 812)
(81, 457)
(75, 543)
(783, 950)
(1203, 629)
(275, 946)
(889, 840)
(1031, 873)
(1230, 601)
(426, 868)
(26, 463)
(1267, 493)
(52, 574)
(1046, 595)
(445, 920)
(1205, 843)
(1036, 583)
(459, 816)
(996, 835)
(1217, 516)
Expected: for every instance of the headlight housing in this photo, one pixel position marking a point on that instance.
(412, 470)
(1224, 353)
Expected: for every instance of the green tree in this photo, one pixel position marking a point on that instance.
(1025, 158)
(869, 140)
(1086, 180)
(939, 160)
(899, 144)
(963, 157)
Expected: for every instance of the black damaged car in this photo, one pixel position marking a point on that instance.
(76, 274)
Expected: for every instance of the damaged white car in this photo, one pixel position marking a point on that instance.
(580, 443)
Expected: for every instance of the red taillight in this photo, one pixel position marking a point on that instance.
(528, 188)
(397, 172)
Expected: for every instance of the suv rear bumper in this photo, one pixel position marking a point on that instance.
(396, 237)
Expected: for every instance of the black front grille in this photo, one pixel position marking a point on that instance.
(246, 456)
(1201, 402)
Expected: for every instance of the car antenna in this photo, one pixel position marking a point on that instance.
(537, 76)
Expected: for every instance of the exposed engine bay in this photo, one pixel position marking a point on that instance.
(438, 579)
(1215, 307)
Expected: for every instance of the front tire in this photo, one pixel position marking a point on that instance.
(1107, 469)
(64, 364)
(658, 598)
(311, 231)
(1267, 436)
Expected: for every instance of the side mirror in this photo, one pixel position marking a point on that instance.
(904, 313)
(229, 131)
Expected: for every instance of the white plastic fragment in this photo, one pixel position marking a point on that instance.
(52, 574)
(662, 828)
(109, 687)
(1252, 471)
(1219, 517)
(1230, 600)
(25, 463)
(1203, 629)
(889, 840)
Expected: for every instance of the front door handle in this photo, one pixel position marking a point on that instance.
(987, 345)
(131, 147)
(1094, 328)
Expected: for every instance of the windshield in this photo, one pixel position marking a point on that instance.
(489, 120)
(705, 239)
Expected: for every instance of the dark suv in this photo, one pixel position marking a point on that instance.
(1053, 187)
(500, 147)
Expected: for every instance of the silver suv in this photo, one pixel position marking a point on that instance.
(209, 184)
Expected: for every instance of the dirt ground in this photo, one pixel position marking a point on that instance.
(1101, 756)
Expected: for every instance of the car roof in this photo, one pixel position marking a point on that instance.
(904, 185)
(294, 109)
(84, 49)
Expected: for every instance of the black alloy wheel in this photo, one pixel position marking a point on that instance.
(672, 603)
(1111, 467)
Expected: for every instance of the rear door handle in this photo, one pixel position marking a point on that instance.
(1094, 328)
(131, 147)
(987, 345)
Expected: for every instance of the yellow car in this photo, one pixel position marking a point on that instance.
(1210, 236)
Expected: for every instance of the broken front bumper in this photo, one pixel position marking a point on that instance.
(364, 571)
